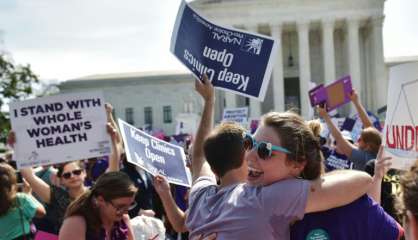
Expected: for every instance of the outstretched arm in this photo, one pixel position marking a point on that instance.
(336, 189)
(175, 215)
(360, 110)
(343, 145)
(114, 158)
(199, 165)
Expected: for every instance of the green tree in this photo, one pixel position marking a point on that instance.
(16, 83)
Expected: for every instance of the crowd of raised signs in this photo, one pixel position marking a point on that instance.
(111, 198)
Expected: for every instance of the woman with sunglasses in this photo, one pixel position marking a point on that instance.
(101, 212)
(282, 150)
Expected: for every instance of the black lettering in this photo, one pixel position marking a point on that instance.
(73, 104)
(39, 120)
(33, 132)
(87, 125)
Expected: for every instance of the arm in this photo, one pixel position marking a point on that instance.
(337, 189)
(360, 110)
(41, 188)
(343, 145)
(74, 227)
(40, 209)
(199, 165)
(381, 167)
(114, 158)
(174, 214)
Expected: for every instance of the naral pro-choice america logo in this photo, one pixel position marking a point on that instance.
(252, 45)
(248, 44)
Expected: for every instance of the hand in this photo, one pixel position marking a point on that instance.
(113, 132)
(161, 185)
(353, 96)
(205, 88)
(109, 108)
(382, 164)
(322, 110)
(11, 138)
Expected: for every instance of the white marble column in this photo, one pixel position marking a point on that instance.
(353, 25)
(304, 66)
(328, 49)
(255, 105)
(278, 82)
(230, 100)
(380, 78)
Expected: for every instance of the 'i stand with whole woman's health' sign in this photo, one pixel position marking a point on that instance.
(59, 128)
(234, 60)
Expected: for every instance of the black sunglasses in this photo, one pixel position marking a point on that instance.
(264, 149)
(76, 172)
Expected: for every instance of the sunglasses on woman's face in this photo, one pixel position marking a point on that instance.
(76, 172)
(264, 149)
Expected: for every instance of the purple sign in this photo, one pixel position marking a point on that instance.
(334, 95)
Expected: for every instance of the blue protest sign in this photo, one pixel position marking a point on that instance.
(234, 60)
(154, 155)
(337, 161)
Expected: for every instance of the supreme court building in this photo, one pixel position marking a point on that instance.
(319, 42)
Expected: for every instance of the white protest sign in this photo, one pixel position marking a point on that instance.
(154, 155)
(59, 128)
(239, 115)
(400, 136)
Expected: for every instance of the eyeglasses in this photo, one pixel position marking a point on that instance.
(122, 209)
(76, 172)
(264, 149)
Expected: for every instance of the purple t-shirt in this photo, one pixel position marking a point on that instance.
(362, 219)
(240, 211)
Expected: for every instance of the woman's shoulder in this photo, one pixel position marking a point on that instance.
(73, 227)
(76, 222)
(76, 219)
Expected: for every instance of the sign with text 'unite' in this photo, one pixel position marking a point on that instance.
(400, 134)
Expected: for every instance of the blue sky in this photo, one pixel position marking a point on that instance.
(64, 39)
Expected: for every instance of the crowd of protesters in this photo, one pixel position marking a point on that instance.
(270, 185)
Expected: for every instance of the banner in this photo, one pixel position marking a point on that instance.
(60, 128)
(400, 135)
(154, 155)
(234, 60)
(239, 115)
